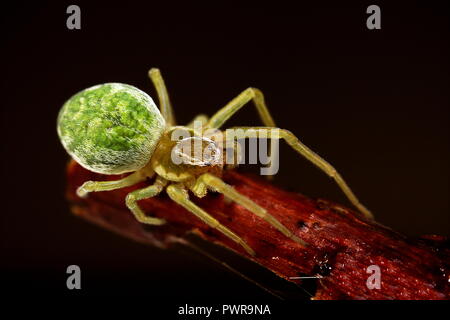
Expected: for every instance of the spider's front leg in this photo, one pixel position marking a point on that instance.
(228, 191)
(95, 186)
(202, 119)
(250, 94)
(180, 195)
(297, 145)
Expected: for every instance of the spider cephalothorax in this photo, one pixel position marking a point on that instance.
(116, 128)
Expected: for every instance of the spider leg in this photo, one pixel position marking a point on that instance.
(144, 193)
(202, 118)
(297, 145)
(217, 184)
(95, 186)
(180, 196)
(163, 96)
(219, 118)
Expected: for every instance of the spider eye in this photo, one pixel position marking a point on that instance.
(110, 128)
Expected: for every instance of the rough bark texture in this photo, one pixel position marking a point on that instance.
(342, 244)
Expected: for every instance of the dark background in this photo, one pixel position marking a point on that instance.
(375, 103)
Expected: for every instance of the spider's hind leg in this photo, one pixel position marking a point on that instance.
(180, 196)
(163, 96)
(95, 186)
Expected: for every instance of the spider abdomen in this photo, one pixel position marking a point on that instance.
(110, 128)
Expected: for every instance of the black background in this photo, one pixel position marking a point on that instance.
(375, 103)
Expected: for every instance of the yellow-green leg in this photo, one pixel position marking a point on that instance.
(217, 184)
(94, 186)
(297, 145)
(148, 192)
(202, 118)
(180, 196)
(219, 118)
(163, 96)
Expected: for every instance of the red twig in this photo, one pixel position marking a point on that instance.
(342, 243)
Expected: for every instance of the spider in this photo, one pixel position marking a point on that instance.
(115, 128)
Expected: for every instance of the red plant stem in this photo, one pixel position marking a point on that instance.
(342, 244)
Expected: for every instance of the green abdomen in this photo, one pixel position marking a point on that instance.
(110, 128)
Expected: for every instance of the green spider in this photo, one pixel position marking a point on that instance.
(116, 128)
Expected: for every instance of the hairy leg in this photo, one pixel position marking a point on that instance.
(163, 96)
(180, 196)
(297, 145)
(217, 184)
(148, 192)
